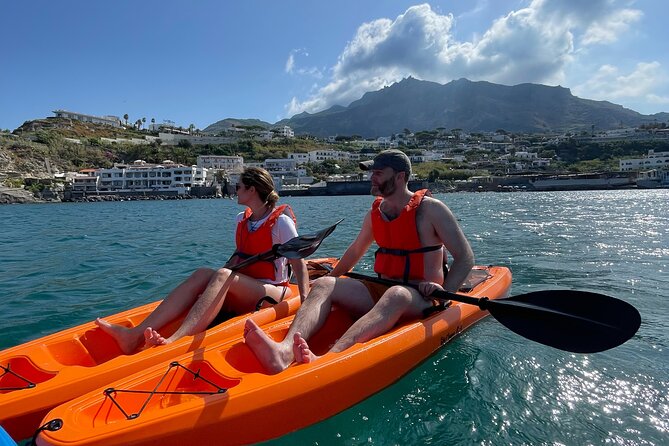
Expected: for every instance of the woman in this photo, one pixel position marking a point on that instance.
(207, 292)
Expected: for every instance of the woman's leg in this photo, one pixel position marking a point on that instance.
(236, 293)
(174, 305)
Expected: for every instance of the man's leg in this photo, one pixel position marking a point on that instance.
(276, 356)
(396, 303)
(173, 306)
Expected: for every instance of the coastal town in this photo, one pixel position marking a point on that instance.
(445, 160)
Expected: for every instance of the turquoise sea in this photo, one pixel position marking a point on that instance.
(65, 264)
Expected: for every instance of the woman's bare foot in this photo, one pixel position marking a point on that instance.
(271, 354)
(301, 350)
(152, 337)
(126, 338)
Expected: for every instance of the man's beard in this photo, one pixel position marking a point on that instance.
(384, 189)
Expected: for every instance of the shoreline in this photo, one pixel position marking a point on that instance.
(10, 196)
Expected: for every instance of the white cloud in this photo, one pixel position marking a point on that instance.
(642, 83)
(611, 27)
(307, 71)
(532, 44)
(656, 99)
(290, 63)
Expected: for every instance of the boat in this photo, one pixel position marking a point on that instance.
(653, 179)
(583, 181)
(43, 373)
(222, 394)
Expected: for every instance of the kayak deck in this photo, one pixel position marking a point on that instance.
(45, 373)
(222, 391)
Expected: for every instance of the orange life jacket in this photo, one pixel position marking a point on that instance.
(400, 253)
(252, 243)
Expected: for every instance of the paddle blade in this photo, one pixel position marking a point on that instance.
(304, 245)
(574, 321)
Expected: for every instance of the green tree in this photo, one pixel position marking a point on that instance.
(184, 143)
(126, 118)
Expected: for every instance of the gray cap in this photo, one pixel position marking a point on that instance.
(393, 158)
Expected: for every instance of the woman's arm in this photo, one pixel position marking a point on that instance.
(302, 276)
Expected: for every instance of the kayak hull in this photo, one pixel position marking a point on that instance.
(190, 410)
(51, 370)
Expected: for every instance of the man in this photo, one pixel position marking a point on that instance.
(411, 230)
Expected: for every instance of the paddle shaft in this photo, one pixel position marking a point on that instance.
(263, 256)
(440, 295)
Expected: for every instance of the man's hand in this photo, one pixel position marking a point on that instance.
(427, 288)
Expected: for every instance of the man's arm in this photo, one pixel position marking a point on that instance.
(357, 249)
(449, 232)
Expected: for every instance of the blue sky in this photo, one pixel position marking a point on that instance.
(201, 61)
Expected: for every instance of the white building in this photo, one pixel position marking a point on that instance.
(497, 146)
(541, 162)
(300, 158)
(85, 181)
(284, 171)
(280, 166)
(652, 161)
(285, 132)
(386, 142)
(526, 155)
(221, 162)
(318, 156)
(141, 176)
(113, 121)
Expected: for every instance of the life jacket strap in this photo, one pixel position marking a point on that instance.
(406, 254)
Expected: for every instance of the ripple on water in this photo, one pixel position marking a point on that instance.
(487, 387)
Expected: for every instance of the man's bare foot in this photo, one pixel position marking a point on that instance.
(152, 337)
(301, 350)
(270, 353)
(126, 338)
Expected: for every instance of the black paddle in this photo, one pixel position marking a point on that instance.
(574, 321)
(296, 248)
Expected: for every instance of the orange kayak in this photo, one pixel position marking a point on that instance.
(41, 374)
(220, 393)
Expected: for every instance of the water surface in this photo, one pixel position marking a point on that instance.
(65, 264)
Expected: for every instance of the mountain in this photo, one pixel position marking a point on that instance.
(225, 124)
(467, 105)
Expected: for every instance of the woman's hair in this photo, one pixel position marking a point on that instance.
(263, 182)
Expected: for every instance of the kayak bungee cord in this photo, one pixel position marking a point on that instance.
(57, 423)
(110, 392)
(8, 371)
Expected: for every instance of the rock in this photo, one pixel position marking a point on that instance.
(10, 195)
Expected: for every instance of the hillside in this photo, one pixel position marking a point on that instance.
(471, 106)
(43, 147)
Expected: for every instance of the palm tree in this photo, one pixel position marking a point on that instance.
(126, 118)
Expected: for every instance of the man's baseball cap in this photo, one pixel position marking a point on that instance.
(393, 158)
